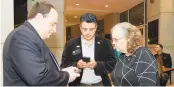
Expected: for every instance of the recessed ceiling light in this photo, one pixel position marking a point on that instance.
(77, 4)
(106, 6)
(75, 16)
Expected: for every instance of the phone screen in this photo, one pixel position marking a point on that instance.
(86, 59)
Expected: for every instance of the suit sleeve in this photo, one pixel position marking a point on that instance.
(30, 64)
(105, 67)
(66, 61)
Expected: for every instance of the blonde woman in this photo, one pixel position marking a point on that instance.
(137, 65)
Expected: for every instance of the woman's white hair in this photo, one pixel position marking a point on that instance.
(124, 27)
(132, 33)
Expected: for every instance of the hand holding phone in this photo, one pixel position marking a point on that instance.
(81, 64)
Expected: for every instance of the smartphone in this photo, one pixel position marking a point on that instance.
(86, 59)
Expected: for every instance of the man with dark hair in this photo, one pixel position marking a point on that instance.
(27, 61)
(91, 53)
(163, 61)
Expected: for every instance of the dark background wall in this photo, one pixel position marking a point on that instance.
(20, 12)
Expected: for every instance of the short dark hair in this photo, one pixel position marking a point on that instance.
(161, 46)
(42, 7)
(89, 18)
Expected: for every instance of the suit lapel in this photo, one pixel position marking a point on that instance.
(54, 59)
(77, 50)
(47, 50)
(97, 47)
(51, 54)
(162, 55)
(26, 23)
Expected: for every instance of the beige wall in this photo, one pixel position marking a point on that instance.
(1, 46)
(57, 41)
(166, 6)
(153, 10)
(153, 13)
(109, 21)
(6, 26)
(164, 11)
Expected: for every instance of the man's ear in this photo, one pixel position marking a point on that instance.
(80, 27)
(39, 16)
(96, 26)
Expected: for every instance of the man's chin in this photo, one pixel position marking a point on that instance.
(47, 37)
(88, 39)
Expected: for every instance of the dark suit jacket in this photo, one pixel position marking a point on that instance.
(28, 61)
(104, 57)
(167, 61)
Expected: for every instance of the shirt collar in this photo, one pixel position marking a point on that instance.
(86, 42)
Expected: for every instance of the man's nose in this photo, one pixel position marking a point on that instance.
(88, 31)
(113, 43)
(54, 29)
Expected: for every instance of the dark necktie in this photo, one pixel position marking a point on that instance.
(160, 64)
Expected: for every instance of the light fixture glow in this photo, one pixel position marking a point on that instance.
(75, 16)
(77, 4)
(106, 6)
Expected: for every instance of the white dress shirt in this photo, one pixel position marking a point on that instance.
(89, 76)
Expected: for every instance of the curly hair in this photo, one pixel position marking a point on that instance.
(133, 36)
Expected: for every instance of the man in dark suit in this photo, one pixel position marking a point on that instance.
(27, 60)
(91, 53)
(163, 61)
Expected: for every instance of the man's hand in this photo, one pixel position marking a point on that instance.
(73, 73)
(92, 64)
(81, 64)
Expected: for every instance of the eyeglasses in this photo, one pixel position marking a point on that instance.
(53, 24)
(117, 39)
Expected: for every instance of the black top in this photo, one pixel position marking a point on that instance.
(27, 61)
(136, 70)
(166, 58)
(103, 55)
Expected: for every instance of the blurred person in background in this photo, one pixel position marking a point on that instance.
(164, 60)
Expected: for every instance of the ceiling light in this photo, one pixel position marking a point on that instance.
(77, 4)
(75, 16)
(106, 6)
